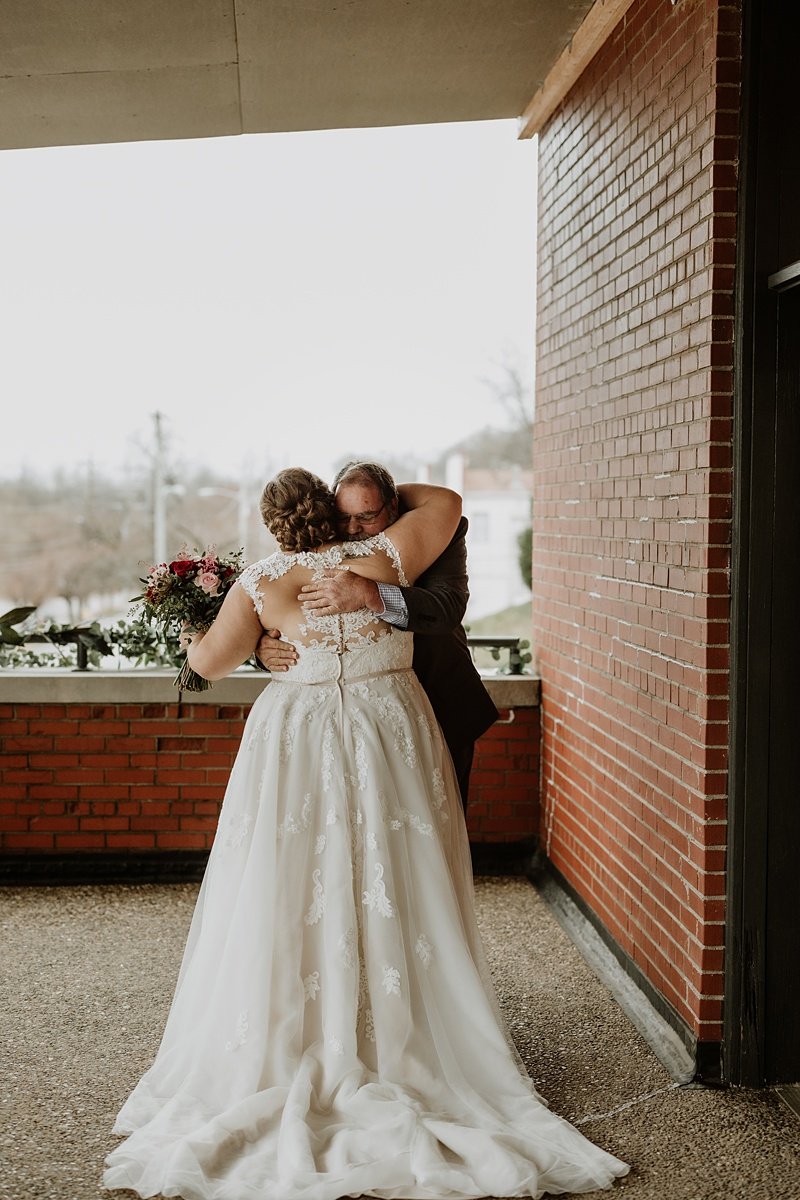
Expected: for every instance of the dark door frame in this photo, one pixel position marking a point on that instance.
(761, 934)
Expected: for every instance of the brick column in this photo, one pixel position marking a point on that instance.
(632, 489)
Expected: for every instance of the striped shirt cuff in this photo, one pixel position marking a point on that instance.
(394, 606)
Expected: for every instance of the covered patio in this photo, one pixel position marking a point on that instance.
(664, 508)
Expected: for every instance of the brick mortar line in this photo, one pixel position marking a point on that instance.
(623, 774)
(628, 875)
(604, 735)
(582, 689)
(670, 871)
(576, 779)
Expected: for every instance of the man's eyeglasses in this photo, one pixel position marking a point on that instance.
(366, 518)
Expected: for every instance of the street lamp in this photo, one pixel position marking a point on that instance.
(242, 508)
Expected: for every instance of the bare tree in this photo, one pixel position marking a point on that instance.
(514, 395)
(498, 447)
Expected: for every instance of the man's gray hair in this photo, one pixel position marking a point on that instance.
(370, 474)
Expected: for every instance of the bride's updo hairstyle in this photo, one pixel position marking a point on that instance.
(297, 508)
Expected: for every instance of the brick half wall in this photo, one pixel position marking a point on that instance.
(150, 775)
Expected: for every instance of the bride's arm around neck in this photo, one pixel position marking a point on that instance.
(426, 526)
(231, 639)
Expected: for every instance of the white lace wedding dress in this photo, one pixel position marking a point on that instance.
(334, 1031)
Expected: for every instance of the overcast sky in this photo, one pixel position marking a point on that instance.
(281, 298)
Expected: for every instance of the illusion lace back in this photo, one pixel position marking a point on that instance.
(333, 1030)
(349, 631)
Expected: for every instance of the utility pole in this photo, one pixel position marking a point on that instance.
(243, 513)
(159, 494)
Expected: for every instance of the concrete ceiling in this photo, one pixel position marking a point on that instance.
(82, 71)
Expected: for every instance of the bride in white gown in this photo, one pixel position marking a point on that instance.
(334, 1031)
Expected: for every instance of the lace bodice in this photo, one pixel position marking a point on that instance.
(336, 633)
(390, 650)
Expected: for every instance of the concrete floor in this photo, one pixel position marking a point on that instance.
(87, 978)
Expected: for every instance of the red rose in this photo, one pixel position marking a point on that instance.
(182, 567)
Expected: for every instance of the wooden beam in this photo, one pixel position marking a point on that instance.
(596, 27)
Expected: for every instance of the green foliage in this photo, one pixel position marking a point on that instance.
(24, 657)
(516, 621)
(15, 616)
(525, 544)
(494, 645)
(89, 640)
(136, 641)
(71, 644)
(145, 645)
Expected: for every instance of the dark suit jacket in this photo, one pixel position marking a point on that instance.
(442, 661)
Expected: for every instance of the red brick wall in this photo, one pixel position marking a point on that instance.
(504, 785)
(632, 488)
(122, 777)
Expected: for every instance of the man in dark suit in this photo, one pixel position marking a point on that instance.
(367, 502)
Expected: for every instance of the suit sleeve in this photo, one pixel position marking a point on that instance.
(438, 601)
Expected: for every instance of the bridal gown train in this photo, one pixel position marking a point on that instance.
(334, 1031)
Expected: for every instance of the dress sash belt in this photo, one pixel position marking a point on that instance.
(341, 680)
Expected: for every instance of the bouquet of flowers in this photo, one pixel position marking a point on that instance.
(188, 591)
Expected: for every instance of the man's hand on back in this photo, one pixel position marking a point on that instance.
(275, 654)
(341, 591)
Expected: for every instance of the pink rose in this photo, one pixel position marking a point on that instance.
(208, 581)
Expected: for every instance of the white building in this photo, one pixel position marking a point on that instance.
(497, 503)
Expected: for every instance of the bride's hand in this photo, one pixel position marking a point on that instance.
(340, 591)
(187, 635)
